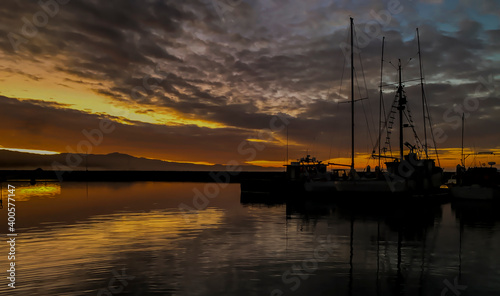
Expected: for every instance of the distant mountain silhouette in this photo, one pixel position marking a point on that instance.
(12, 160)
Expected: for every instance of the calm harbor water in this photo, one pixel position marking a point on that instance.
(132, 239)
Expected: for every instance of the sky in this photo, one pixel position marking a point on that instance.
(234, 81)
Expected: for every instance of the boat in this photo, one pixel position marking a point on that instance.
(409, 173)
(307, 174)
(475, 183)
(310, 175)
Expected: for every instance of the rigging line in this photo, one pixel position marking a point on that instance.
(411, 124)
(390, 63)
(408, 107)
(362, 69)
(364, 110)
(359, 89)
(422, 75)
(393, 106)
(417, 139)
(330, 91)
(338, 108)
(430, 125)
(422, 94)
(431, 130)
(367, 123)
(409, 60)
(340, 88)
(332, 135)
(333, 82)
(387, 132)
(366, 89)
(419, 51)
(384, 127)
(344, 66)
(385, 116)
(381, 97)
(341, 80)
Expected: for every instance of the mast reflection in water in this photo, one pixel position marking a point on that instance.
(79, 239)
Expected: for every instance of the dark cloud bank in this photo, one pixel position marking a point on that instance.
(241, 67)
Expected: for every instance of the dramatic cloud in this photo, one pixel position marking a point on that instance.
(200, 77)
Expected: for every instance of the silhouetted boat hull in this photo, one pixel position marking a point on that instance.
(479, 183)
(319, 186)
(475, 192)
(367, 185)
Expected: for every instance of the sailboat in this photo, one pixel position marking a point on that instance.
(355, 183)
(408, 173)
(418, 174)
(476, 183)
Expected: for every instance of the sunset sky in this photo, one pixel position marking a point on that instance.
(198, 81)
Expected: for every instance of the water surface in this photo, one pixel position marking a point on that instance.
(133, 239)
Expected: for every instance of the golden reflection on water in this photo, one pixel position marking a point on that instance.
(69, 243)
(26, 191)
(80, 238)
(100, 245)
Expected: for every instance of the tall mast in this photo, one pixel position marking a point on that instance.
(423, 94)
(401, 107)
(352, 95)
(380, 103)
(462, 155)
